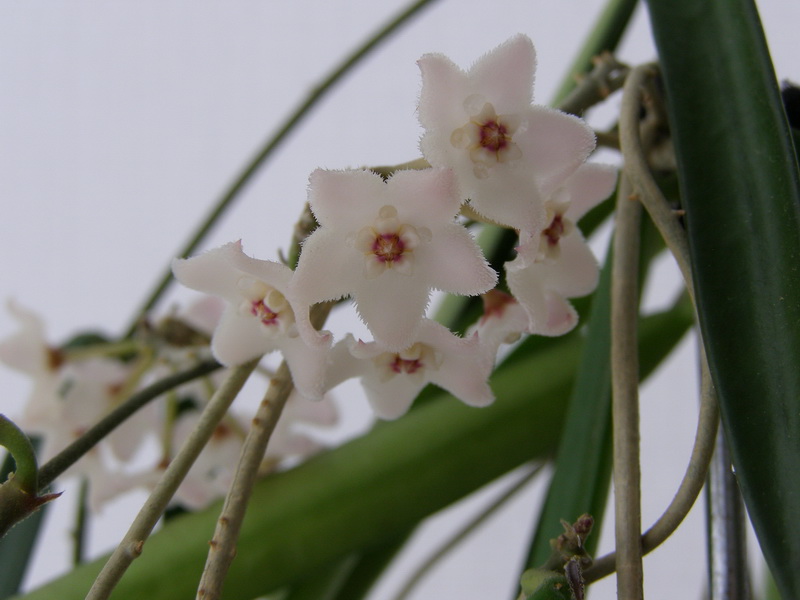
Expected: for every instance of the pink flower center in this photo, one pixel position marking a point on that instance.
(263, 313)
(493, 136)
(494, 304)
(555, 231)
(388, 247)
(487, 137)
(388, 244)
(406, 365)
(266, 304)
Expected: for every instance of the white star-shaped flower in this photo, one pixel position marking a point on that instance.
(68, 397)
(504, 321)
(392, 379)
(387, 244)
(508, 155)
(557, 264)
(259, 318)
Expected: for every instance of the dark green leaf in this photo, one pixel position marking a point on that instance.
(738, 174)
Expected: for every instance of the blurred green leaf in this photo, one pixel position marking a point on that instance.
(373, 488)
(371, 565)
(583, 465)
(741, 190)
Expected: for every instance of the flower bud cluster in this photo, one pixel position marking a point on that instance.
(388, 244)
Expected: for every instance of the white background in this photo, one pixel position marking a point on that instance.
(122, 122)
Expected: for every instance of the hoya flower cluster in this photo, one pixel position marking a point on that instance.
(389, 244)
(76, 385)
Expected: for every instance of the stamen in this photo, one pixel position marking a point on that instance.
(488, 139)
(387, 244)
(264, 313)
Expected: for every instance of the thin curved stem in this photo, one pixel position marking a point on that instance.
(708, 421)
(605, 35)
(72, 453)
(625, 394)
(641, 177)
(132, 544)
(690, 486)
(435, 557)
(316, 94)
(222, 548)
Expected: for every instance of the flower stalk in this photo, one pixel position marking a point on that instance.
(19, 495)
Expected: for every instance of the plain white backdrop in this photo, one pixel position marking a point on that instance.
(121, 123)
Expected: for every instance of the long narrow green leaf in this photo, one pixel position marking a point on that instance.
(739, 177)
(371, 489)
(371, 565)
(583, 465)
(323, 583)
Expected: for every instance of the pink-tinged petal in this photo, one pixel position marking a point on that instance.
(440, 153)
(537, 289)
(204, 314)
(561, 317)
(127, 439)
(528, 287)
(261, 313)
(211, 271)
(27, 350)
(589, 185)
(343, 365)
(455, 263)
(277, 275)
(307, 364)
(341, 198)
(505, 75)
(457, 365)
(322, 413)
(465, 368)
(393, 307)
(424, 197)
(576, 272)
(555, 144)
(329, 267)
(507, 197)
(239, 339)
(306, 330)
(391, 399)
(284, 443)
(105, 485)
(381, 257)
(503, 322)
(444, 88)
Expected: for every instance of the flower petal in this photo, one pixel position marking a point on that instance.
(587, 187)
(444, 86)
(393, 308)
(239, 339)
(505, 75)
(329, 268)
(424, 197)
(456, 263)
(342, 198)
(555, 144)
(211, 271)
